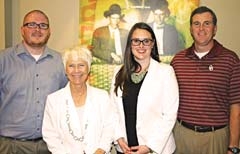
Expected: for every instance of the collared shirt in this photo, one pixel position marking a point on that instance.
(207, 86)
(24, 86)
(115, 34)
(159, 36)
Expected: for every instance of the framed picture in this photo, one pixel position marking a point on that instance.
(168, 18)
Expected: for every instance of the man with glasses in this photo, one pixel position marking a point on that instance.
(29, 72)
(109, 41)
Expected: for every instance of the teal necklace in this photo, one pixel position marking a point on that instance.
(138, 77)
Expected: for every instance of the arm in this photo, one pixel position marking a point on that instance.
(234, 119)
(119, 137)
(164, 123)
(107, 125)
(234, 125)
(101, 45)
(50, 129)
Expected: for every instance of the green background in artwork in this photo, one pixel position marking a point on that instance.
(101, 74)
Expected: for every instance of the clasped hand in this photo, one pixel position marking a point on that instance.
(141, 149)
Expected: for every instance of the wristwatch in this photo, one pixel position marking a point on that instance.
(234, 150)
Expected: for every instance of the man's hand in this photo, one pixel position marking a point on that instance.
(116, 58)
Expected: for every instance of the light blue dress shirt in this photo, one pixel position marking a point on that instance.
(24, 86)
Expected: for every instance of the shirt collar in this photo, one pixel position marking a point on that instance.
(21, 49)
(214, 52)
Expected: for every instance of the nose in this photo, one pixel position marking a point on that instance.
(201, 26)
(38, 28)
(76, 68)
(141, 44)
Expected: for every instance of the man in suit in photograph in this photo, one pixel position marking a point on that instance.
(168, 38)
(108, 42)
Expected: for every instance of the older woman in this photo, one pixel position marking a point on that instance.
(145, 94)
(77, 117)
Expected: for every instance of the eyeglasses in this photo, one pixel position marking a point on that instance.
(34, 25)
(145, 42)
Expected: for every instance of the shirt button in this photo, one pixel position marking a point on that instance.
(37, 88)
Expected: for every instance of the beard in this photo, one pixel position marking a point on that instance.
(36, 42)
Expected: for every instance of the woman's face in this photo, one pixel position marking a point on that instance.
(77, 71)
(141, 44)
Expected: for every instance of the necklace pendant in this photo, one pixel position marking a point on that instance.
(138, 77)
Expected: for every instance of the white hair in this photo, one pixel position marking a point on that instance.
(78, 52)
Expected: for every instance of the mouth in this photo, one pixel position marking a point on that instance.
(141, 51)
(37, 34)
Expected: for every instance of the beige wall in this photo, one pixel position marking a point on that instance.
(228, 22)
(64, 21)
(2, 38)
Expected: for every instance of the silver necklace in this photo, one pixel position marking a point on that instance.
(80, 139)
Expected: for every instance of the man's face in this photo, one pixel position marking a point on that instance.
(35, 36)
(159, 16)
(114, 20)
(203, 29)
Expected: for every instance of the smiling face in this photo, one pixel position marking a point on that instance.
(77, 71)
(141, 52)
(203, 30)
(35, 37)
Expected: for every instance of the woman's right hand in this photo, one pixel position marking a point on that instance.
(124, 146)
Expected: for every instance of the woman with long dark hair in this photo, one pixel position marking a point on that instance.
(145, 94)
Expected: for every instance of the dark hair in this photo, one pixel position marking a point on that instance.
(203, 9)
(35, 11)
(113, 9)
(130, 65)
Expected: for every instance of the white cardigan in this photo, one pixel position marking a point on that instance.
(98, 124)
(157, 107)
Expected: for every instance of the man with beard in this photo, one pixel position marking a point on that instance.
(29, 72)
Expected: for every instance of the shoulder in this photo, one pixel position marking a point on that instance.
(54, 57)
(53, 52)
(8, 51)
(58, 93)
(5, 52)
(97, 91)
(168, 26)
(181, 54)
(229, 53)
(161, 67)
(99, 97)
(100, 29)
(124, 31)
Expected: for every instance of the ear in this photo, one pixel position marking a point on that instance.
(215, 30)
(22, 30)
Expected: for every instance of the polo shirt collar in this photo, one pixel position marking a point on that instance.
(214, 52)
